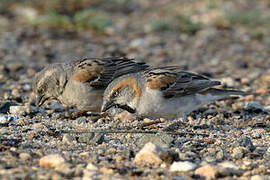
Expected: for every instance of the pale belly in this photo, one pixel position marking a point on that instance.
(82, 97)
(155, 105)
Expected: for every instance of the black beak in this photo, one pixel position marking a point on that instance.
(40, 100)
(107, 105)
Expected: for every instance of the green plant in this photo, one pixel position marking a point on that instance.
(81, 20)
(53, 19)
(246, 18)
(160, 25)
(213, 4)
(91, 19)
(186, 25)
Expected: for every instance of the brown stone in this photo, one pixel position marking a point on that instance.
(149, 154)
(25, 156)
(207, 171)
(106, 170)
(262, 91)
(266, 79)
(249, 98)
(51, 161)
(38, 125)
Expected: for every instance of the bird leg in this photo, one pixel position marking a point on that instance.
(183, 116)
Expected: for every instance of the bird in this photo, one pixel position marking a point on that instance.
(163, 92)
(81, 83)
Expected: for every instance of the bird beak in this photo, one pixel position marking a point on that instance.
(107, 105)
(40, 100)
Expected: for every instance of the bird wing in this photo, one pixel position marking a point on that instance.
(99, 72)
(174, 82)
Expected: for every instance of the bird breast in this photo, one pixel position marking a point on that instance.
(82, 96)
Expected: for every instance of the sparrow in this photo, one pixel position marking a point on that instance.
(81, 83)
(163, 92)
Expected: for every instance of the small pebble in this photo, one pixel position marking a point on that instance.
(38, 125)
(89, 174)
(249, 98)
(8, 118)
(51, 161)
(64, 168)
(106, 170)
(258, 177)
(254, 107)
(19, 110)
(25, 156)
(245, 142)
(162, 140)
(91, 167)
(228, 168)
(207, 171)
(238, 152)
(182, 166)
(92, 138)
(151, 154)
(67, 139)
(262, 91)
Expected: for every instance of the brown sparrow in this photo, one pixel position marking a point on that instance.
(162, 92)
(81, 83)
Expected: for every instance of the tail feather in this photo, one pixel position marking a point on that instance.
(214, 94)
(225, 93)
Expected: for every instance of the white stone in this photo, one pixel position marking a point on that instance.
(26, 12)
(258, 177)
(182, 166)
(91, 167)
(19, 110)
(136, 43)
(228, 164)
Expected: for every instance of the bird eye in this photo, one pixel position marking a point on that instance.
(40, 91)
(115, 93)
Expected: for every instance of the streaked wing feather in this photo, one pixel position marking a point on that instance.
(174, 82)
(101, 71)
(189, 83)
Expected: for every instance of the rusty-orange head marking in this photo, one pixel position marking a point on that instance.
(132, 83)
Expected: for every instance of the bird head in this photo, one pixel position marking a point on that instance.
(49, 83)
(123, 93)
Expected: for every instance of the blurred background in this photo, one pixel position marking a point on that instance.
(222, 39)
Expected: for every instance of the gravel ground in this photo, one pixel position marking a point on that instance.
(227, 139)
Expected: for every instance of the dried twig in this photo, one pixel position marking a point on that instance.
(145, 124)
(109, 131)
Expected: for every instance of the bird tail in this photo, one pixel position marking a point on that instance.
(219, 94)
(215, 91)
